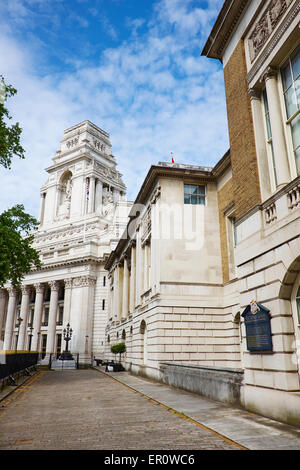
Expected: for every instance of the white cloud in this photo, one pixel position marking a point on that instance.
(153, 94)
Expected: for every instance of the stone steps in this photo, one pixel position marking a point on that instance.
(63, 365)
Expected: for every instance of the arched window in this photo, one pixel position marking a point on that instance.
(123, 335)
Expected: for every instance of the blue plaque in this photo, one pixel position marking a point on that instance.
(258, 327)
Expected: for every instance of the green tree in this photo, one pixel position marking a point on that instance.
(9, 135)
(17, 257)
(119, 348)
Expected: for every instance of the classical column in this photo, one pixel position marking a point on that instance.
(117, 293)
(57, 199)
(52, 317)
(125, 301)
(9, 324)
(24, 310)
(132, 279)
(42, 208)
(2, 310)
(67, 300)
(98, 198)
(260, 143)
(278, 138)
(146, 267)
(116, 195)
(37, 317)
(91, 203)
(139, 270)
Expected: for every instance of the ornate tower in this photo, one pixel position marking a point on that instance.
(83, 181)
(83, 213)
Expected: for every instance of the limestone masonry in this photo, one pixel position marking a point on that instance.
(173, 274)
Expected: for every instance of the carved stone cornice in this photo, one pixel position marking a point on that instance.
(223, 28)
(84, 281)
(266, 25)
(266, 52)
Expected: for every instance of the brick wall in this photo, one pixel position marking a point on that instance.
(225, 197)
(241, 134)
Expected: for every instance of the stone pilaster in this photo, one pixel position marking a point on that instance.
(52, 317)
(278, 138)
(24, 317)
(9, 324)
(260, 143)
(37, 318)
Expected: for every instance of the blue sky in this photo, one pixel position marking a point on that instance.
(132, 67)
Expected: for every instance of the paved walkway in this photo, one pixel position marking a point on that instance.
(249, 430)
(91, 409)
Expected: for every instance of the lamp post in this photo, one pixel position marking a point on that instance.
(66, 355)
(18, 324)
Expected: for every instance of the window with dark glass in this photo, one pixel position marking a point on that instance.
(194, 194)
(290, 73)
(269, 131)
(60, 315)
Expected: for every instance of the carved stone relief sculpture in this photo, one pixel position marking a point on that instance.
(266, 25)
(65, 196)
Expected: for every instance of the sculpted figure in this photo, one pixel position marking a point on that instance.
(275, 10)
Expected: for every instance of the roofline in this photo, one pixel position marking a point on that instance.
(154, 172)
(223, 28)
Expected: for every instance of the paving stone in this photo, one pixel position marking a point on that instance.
(83, 409)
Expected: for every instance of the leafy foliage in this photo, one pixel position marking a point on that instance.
(119, 348)
(9, 135)
(17, 257)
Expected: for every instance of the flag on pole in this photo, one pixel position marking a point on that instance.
(172, 157)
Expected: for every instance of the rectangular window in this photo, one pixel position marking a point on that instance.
(58, 344)
(194, 194)
(290, 73)
(269, 132)
(60, 315)
(103, 304)
(104, 281)
(46, 317)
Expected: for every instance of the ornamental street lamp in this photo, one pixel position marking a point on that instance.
(18, 325)
(30, 337)
(66, 355)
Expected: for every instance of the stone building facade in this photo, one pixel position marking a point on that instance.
(208, 243)
(83, 210)
(180, 274)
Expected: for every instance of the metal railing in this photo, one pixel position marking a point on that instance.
(13, 362)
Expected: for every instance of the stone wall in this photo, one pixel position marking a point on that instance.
(220, 384)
